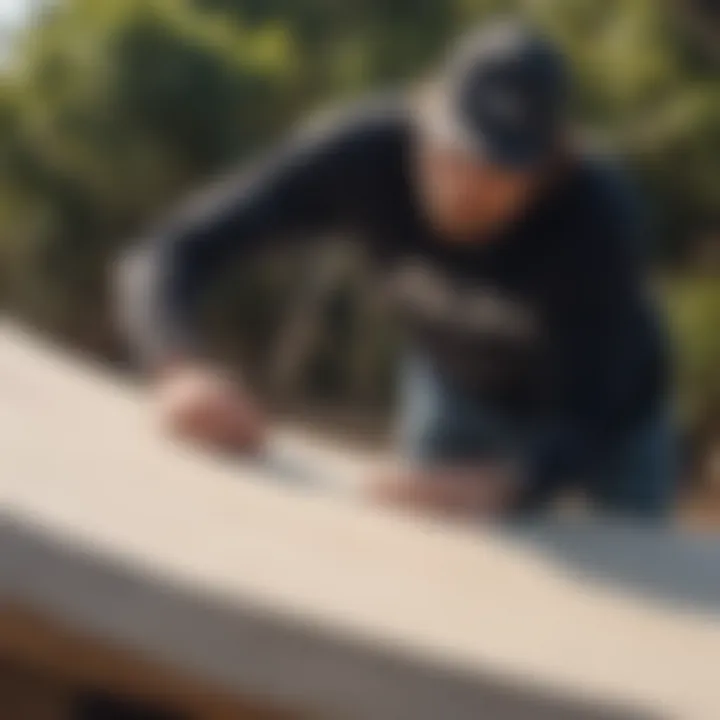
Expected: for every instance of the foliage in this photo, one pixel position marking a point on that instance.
(694, 309)
(111, 110)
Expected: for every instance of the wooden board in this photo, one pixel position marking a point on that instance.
(320, 605)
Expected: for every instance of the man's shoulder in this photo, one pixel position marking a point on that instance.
(610, 205)
(373, 123)
(606, 191)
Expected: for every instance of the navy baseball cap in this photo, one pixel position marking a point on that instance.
(501, 96)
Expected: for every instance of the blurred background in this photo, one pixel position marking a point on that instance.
(112, 110)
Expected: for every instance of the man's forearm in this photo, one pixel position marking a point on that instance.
(482, 491)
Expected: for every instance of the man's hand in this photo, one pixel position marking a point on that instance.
(477, 492)
(199, 404)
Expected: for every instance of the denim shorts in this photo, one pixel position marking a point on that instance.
(441, 425)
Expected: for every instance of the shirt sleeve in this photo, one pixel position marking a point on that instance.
(306, 186)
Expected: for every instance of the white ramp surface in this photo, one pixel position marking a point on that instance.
(336, 609)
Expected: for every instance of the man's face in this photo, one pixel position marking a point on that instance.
(466, 199)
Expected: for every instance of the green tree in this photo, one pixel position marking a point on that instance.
(115, 108)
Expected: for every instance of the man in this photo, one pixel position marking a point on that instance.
(534, 359)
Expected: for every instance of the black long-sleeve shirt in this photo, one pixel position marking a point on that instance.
(548, 320)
